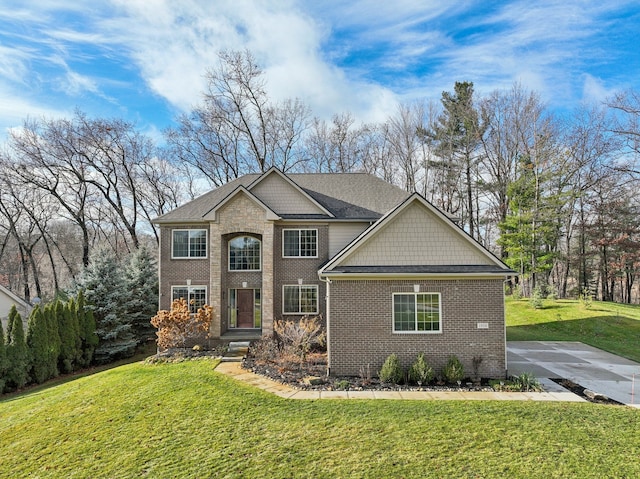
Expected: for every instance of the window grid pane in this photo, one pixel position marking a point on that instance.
(291, 242)
(428, 312)
(198, 243)
(291, 299)
(308, 243)
(244, 253)
(404, 312)
(197, 299)
(181, 244)
(308, 299)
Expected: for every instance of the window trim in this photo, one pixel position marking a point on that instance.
(299, 287)
(416, 331)
(188, 230)
(229, 254)
(299, 245)
(190, 288)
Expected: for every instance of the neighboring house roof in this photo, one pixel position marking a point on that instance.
(415, 238)
(335, 196)
(14, 298)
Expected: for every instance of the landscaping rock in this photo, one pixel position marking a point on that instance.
(313, 380)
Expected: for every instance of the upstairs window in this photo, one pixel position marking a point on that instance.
(300, 243)
(189, 244)
(416, 313)
(244, 254)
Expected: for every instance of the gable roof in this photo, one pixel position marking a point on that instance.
(338, 196)
(303, 197)
(212, 213)
(388, 255)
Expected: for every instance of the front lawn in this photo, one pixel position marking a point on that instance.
(186, 420)
(610, 326)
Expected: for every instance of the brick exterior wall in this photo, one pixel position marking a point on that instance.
(287, 271)
(175, 272)
(361, 322)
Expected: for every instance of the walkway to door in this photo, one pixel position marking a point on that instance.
(601, 372)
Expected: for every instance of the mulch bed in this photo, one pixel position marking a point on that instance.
(584, 392)
(297, 376)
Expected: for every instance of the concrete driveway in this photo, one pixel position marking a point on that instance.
(605, 373)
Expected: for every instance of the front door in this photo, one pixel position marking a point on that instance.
(245, 308)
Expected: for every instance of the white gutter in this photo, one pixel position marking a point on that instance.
(327, 299)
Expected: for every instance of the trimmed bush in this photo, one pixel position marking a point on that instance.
(391, 371)
(18, 358)
(298, 338)
(3, 360)
(420, 372)
(453, 370)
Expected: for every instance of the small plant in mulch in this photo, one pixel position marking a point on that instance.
(453, 371)
(391, 371)
(420, 372)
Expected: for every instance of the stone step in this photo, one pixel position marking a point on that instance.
(236, 351)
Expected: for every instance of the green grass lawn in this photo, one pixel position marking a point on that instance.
(610, 326)
(186, 420)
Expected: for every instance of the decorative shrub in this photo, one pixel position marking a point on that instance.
(300, 337)
(177, 326)
(391, 371)
(420, 372)
(265, 349)
(527, 382)
(453, 370)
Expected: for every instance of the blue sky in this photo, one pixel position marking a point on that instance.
(144, 60)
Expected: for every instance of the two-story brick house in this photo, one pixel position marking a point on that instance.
(386, 270)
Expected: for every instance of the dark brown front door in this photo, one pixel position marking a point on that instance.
(245, 308)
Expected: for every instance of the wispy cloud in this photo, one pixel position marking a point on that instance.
(362, 56)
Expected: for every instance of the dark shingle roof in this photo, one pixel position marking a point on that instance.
(345, 195)
(426, 269)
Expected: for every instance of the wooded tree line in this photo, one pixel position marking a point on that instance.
(553, 196)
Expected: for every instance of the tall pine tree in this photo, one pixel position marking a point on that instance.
(107, 296)
(141, 276)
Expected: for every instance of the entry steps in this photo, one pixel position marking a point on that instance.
(236, 351)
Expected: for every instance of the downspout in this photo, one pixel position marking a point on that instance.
(327, 281)
(504, 315)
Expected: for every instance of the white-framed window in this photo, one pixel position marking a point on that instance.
(417, 313)
(189, 243)
(244, 253)
(299, 243)
(196, 296)
(300, 299)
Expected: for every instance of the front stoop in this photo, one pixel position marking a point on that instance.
(237, 350)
